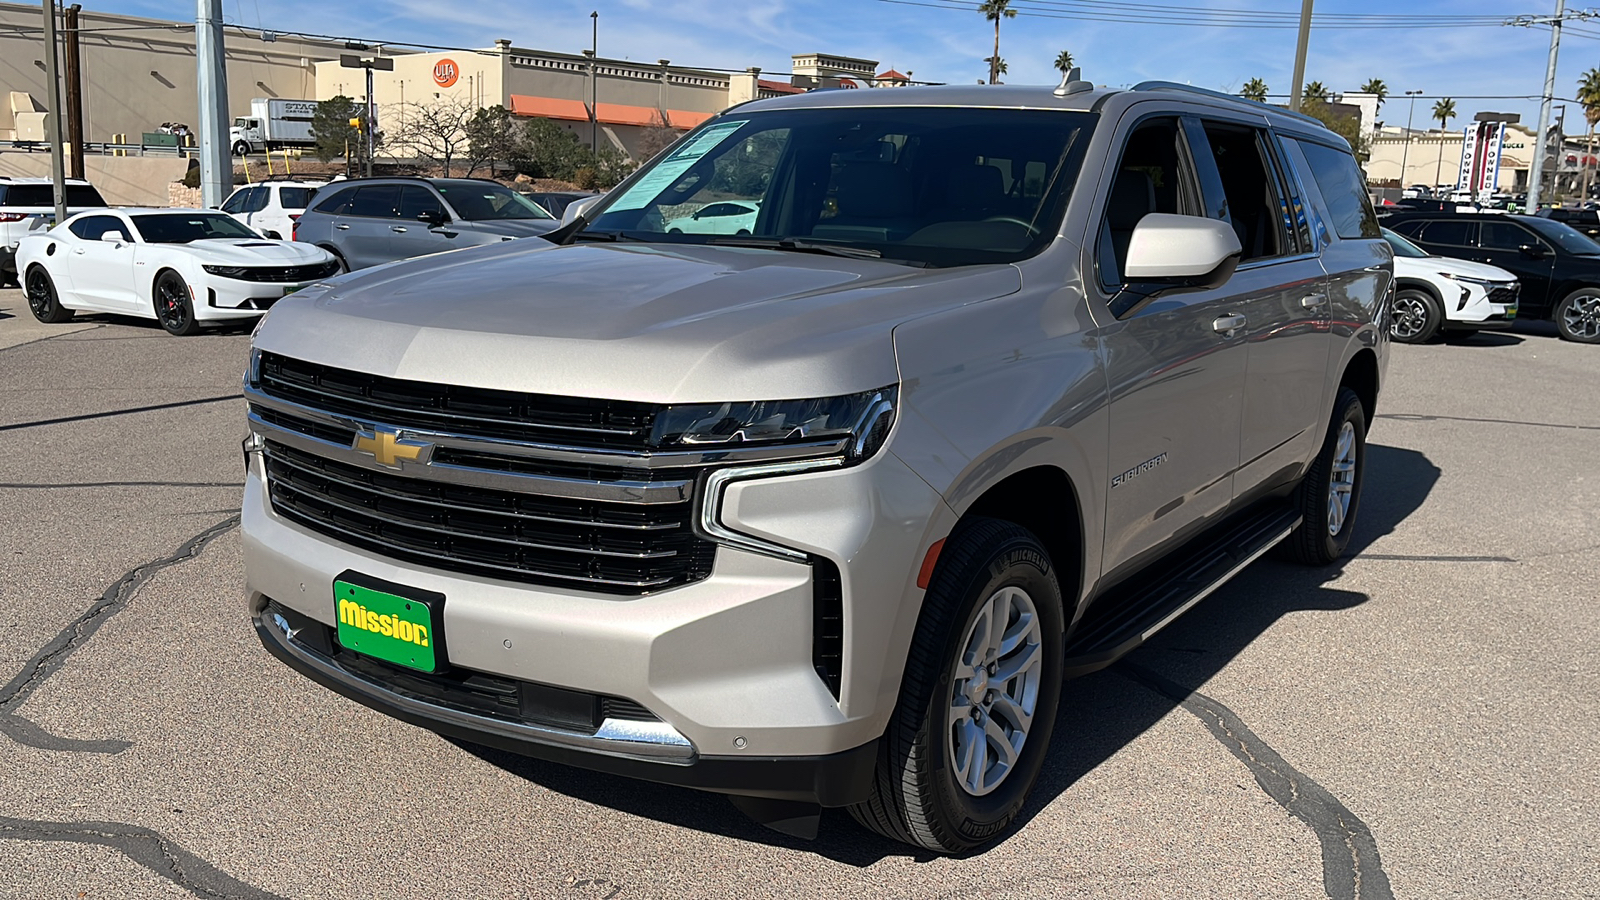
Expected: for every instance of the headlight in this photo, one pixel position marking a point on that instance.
(225, 271)
(860, 422)
(1463, 279)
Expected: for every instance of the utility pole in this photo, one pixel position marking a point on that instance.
(1536, 170)
(1406, 150)
(52, 121)
(1300, 55)
(69, 18)
(216, 161)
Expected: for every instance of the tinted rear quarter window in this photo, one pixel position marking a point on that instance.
(1444, 232)
(1343, 189)
(294, 197)
(338, 202)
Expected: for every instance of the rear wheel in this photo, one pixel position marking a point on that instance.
(1416, 316)
(1578, 316)
(1330, 492)
(42, 299)
(978, 701)
(175, 305)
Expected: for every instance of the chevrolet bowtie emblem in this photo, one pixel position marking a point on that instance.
(388, 448)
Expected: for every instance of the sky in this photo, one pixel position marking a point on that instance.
(948, 41)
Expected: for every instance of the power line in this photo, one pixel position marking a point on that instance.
(1148, 14)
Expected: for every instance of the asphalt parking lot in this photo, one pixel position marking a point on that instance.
(1421, 721)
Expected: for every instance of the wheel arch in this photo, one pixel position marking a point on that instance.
(1043, 500)
(1361, 375)
(1403, 282)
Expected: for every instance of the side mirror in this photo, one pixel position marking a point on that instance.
(1532, 251)
(433, 218)
(1169, 252)
(578, 207)
(113, 237)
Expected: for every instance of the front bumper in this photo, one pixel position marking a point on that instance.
(1484, 306)
(724, 664)
(229, 298)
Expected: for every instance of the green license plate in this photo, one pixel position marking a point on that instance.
(292, 288)
(403, 630)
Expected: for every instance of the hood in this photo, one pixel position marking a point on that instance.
(654, 323)
(510, 227)
(256, 252)
(1463, 267)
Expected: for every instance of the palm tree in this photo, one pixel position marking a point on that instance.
(1444, 110)
(1589, 96)
(994, 11)
(1064, 61)
(1377, 88)
(998, 67)
(1254, 89)
(1316, 92)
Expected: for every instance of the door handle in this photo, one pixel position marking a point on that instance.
(342, 227)
(1311, 301)
(1228, 324)
(80, 251)
(399, 228)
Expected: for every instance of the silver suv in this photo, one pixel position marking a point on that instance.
(27, 202)
(370, 221)
(1001, 381)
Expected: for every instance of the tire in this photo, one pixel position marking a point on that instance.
(344, 267)
(240, 148)
(174, 305)
(1415, 317)
(42, 299)
(922, 794)
(1329, 495)
(1577, 316)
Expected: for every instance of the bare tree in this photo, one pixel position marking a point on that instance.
(656, 137)
(437, 132)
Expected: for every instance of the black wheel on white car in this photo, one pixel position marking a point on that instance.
(42, 299)
(1578, 316)
(1330, 493)
(1415, 316)
(175, 304)
(978, 702)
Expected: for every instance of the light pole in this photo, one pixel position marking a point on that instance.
(382, 63)
(1406, 150)
(594, 85)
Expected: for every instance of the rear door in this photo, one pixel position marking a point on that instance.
(366, 235)
(1509, 245)
(1279, 289)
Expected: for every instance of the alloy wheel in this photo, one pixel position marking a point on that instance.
(1342, 479)
(994, 691)
(170, 304)
(1409, 316)
(40, 296)
(1582, 317)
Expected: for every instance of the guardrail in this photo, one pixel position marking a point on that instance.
(108, 148)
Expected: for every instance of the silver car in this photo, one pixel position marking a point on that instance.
(368, 221)
(1002, 381)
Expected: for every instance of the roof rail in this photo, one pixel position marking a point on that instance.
(1174, 86)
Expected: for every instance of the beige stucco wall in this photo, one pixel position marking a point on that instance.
(122, 180)
(1423, 160)
(135, 80)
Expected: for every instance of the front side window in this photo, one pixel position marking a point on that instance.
(257, 201)
(935, 186)
(1403, 247)
(1569, 239)
(1504, 236)
(236, 202)
(181, 229)
(1152, 177)
(416, 200)
(378, 201)
(480, 201)
(91, 228)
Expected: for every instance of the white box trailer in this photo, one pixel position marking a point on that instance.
(273, 124)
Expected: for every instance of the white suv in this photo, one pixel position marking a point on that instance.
(24, 200)
(1435, 294)
(271, 207)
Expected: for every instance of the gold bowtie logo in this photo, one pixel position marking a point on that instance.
(388, 448)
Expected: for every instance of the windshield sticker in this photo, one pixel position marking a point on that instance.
(672, 168)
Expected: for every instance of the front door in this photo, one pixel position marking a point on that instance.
(1524, 254)
(413, 237)
(102, 271)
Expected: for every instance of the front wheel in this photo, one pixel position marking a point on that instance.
(1578, 316)
(1416, 316)
(978, 702)
(1330, 492)
(240, 148)
(42, 299)
(174, 305)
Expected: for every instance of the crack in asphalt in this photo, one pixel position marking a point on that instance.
(1419, 417)
(144, 846)
(54, 654)
(1408, 558)
(119, 412)
(26, 486)
(1351, 868)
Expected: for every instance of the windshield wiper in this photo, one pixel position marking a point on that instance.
(798, 246)
(611, 236)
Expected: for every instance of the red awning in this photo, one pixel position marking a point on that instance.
(686, 120)
(549, 108)
(618, 114)
(778, 87)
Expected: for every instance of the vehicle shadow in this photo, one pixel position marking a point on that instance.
(1483, 339)
(1100, 714)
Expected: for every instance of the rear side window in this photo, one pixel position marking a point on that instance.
(79, 196)
(1441, 232)
(416, 200)
(1344, 190)
(376, 200)
(338, 202)
(294, 197)
(90, 228)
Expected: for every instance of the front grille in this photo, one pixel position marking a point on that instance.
(289, 274)
(1506, 295)
(464, 411)
(608, 546)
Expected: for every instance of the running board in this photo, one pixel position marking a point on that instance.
(1143, 605)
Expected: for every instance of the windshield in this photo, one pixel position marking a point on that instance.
(1569, 239)
(478, 201)
(1403, 247)
(936, 185)
(181, 229)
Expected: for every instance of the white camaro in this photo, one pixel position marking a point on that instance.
(1435, 294)
(181, 267)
